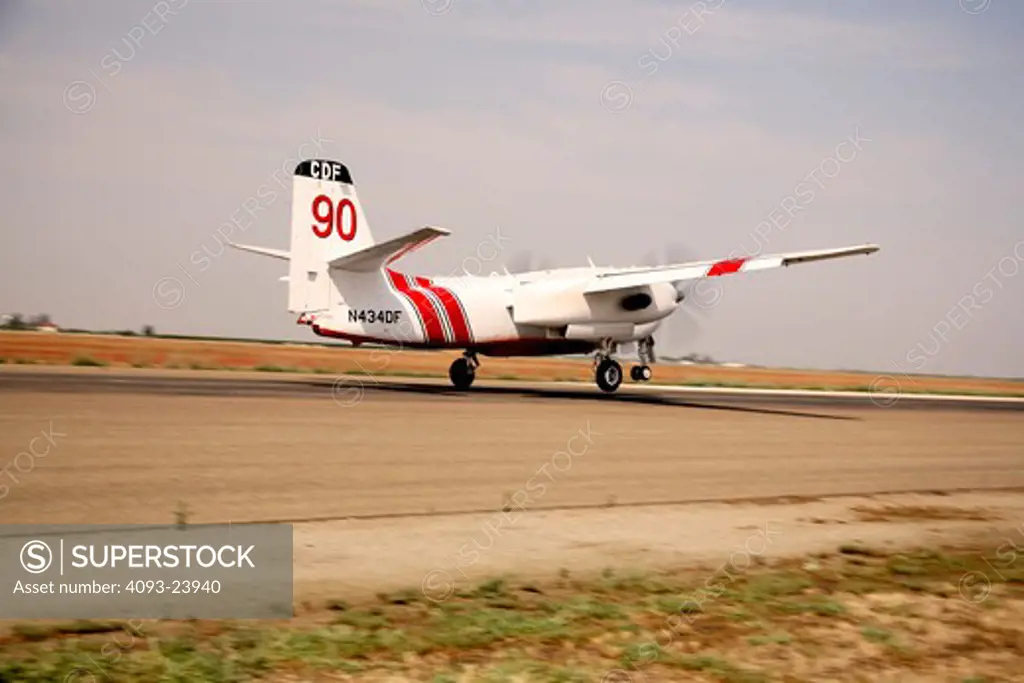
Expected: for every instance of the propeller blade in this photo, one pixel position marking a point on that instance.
(520, 262)
(677, 252)
(677, 333)
(651, 259)
(673, 252)
(528, 261)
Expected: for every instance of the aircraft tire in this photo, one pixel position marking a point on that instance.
(461, 374)
(640, 373)
(608, 375)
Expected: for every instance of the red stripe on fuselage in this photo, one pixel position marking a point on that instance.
(427, 313)
(456, 314)
(452, 308)
(726, 267)
(438, 307)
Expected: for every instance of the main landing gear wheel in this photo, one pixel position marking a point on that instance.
(609, 375)
(462, 373)
(640, 373)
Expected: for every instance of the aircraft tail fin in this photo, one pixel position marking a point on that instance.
(329, 231)
(328, 224)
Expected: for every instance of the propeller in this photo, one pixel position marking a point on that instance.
(678, 331)
(527, 261)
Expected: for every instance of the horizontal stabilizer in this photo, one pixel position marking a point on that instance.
(263, 251)
(374, 256)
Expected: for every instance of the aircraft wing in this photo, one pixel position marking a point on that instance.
(681, 272)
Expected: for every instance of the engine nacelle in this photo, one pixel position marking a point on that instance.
(554, 304)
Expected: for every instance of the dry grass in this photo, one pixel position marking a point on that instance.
(881, 617)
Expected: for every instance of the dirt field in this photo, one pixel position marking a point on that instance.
(155, 352)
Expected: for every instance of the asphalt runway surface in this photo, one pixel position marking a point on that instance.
(350, 389)
(305, 448)
(387, 480)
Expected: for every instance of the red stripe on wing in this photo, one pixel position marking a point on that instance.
(726, 267)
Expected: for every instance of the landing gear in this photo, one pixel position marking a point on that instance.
(640, 373)
(609, 375)
(645, 350)
(463, 371)
(607, 372)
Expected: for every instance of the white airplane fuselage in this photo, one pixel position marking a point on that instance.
(534, 313)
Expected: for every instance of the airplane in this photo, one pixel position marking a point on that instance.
(344, 284)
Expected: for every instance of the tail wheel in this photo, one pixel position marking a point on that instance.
(461, 373)
(609, 375)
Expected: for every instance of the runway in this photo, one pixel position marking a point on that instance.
(246, 448)
(349, 388)
(394, 476)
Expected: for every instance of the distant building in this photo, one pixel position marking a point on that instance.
(47, 327)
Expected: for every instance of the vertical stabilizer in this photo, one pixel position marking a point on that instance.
(327, 223)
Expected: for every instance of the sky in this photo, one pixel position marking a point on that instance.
(624, 131)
